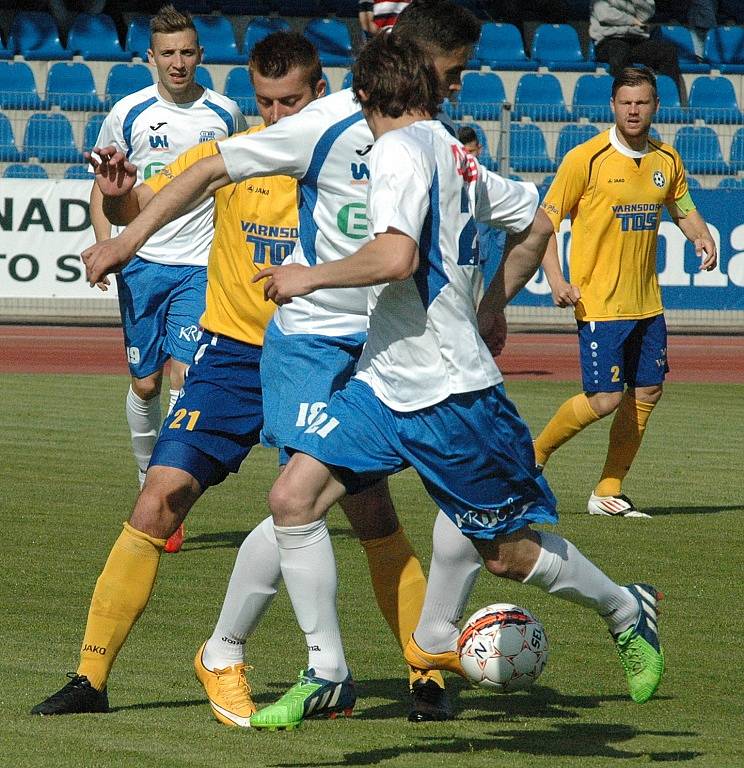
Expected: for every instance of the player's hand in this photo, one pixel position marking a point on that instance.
(493, 329)
(565, 294)
(282, 283)
(103, 284)
(104, 258)
(114, 174)
(705, 248)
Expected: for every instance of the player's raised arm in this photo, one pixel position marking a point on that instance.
(184, 193)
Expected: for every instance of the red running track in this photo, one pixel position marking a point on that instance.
(535, 356)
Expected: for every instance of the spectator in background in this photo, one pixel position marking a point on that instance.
(621, 32)
(377, 16)
(701, 16)
(491, 241)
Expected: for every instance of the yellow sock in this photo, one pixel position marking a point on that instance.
(573, 416)
(399, 584)
(120, 596)
(626, 434)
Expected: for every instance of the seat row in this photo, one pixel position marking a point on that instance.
(34, 36)
(699, 147)
(539, 96)
(557, 47)
(49, 138)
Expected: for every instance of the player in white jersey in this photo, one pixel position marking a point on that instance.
(426, 390)
(162, 290)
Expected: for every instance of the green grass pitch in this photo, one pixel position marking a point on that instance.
(68, 482)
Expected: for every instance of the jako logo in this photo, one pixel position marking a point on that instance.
(159, 142)
(100, 650)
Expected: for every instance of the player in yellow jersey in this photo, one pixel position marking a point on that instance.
(217, 419)
(614, 188)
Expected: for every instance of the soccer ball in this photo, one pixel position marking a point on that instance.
(503, 647)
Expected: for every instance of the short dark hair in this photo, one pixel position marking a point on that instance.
(397, 77)
(466, 134)
(281, 52)
(438, 24)
(633, 77)
(169, 19)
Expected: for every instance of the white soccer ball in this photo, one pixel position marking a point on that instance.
(503, 647)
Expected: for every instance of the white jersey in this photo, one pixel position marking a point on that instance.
(326, 148)
(423, 342)
(153, 132)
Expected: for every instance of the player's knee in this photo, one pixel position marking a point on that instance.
(161, 507)
(288, 503)
(146, 388)
(604, 403)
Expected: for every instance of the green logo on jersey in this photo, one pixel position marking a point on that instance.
(352, 220)
(153, 168)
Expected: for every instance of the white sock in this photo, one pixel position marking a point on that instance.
(253, 583)
(455, 563)
(143, 417)
(309, 572)
(172, 397)
(562, 570)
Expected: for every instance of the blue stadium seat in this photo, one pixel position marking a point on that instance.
(94, 37)
(693, 183)
(348, 77)
(501, 47)
(540, 97)
(70, 86)
(713, 99)
(79, 171)
(25, 171)
(730, 182)
(700, 150)
(239, 88)
(49, 139)
(203, 77)
(18, 86)
(527, 149)
(138, 36)
(654, 134)
(261, 27)
(670, 108)
(591, 98)
(332, 39)
(217, 38)
(8, 150)
(36, 37)
(571, 136)
(91, 131)
(724, 49)
(736, 153)
(557, 47)
(124, 79)
(481, 96)
(682, 39)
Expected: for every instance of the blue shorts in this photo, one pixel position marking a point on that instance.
(160, 306)
(217, 418)
(299, 373)
(472, 451)
(619, 352)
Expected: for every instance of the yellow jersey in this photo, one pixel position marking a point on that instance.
(255, 226)
(615, 197)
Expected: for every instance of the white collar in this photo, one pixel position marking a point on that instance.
(622, 149)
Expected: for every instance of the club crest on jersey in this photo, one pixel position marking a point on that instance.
(659, 179)
(207, 136)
